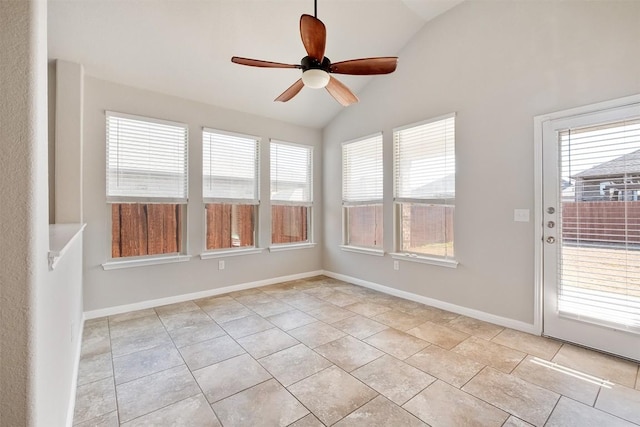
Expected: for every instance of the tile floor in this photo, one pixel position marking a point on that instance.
(324, 352)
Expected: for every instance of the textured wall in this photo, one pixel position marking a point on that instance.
(497, 64)
(23, 211)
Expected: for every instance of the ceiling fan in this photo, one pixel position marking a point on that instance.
(316, 68)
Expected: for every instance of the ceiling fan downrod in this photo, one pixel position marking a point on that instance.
(315, 8)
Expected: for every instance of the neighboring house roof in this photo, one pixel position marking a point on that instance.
(443, 187)
(628, 164)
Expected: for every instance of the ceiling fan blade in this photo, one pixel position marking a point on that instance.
(340, 92)
(291, 91)
(259, 63)
(366, 66)
(314, 36)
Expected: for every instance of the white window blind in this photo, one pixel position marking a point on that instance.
(291, 174)
(362, 170)
(424, 161)
(146, 159)
(230, 167)
(599, 277)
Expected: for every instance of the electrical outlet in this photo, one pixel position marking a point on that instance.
(220, 265)
(396, 265)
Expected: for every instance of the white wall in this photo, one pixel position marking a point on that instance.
(497, 65)
(23, 212)
(112, 288)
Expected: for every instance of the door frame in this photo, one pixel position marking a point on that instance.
(538, 212)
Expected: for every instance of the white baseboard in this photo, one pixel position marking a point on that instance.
(76, 367)
(470, 312)
(110, 311)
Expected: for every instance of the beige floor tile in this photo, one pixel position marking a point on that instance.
(433, 314)
(516, 422)
(145, 362)
(404, 305)
(367, 309)
(320, 291)
(223, 379)
(444, 405)
(620, 401)
(399, 320)
(215, 301)
(137, 326)
(130, 315)
(267, 404)
(228, 311)
(475, 327)
(107, 420)
(440, 335)
(267, 342)
(598, 364)
(341, 299)
(144, 340)
(331, 314)
(544, 348)
(147, 394)
(514, 395)
(95, 367)
(291, 319)
(305, 302)
(255, 296)
(271, 308)
(94, 400)
(316, 334)
(551, 379)
(359, 326)
(489, 353)
(246, 292)
(196, 333)
(246, 326)
(308, 421)
(394, 379)
(396, 343)
(95, 337)
(294, 364)
(638, 380)
(446, 365)
(380, 412)
(209, 352)
(180, 307)
(348, 353)
(571, 413)
(191, 412)
(331, 394)
(179, 320)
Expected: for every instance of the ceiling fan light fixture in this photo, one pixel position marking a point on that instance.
(315, 78)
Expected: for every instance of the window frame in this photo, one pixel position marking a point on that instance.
(310, 242)
(375, 138)
(398, 202)
(255, 202)
(111, 200)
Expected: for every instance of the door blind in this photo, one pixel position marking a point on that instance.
(291, 173)
(146, 159)
(599, 276)
(230, 167)
(362, 170)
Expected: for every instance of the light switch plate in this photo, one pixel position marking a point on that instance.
(521, 215)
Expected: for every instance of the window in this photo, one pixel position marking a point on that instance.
(230, 188)
(362, 192)
(424, 168)
(291, 195)
(146, 184)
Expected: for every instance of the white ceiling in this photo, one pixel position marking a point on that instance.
(184, 47)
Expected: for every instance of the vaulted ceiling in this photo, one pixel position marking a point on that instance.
(184, 47)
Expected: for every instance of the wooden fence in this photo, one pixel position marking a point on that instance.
(145, 229)
(289, 224)
(229, 226)
(601, 222)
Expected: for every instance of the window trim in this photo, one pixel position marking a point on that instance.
(398, 254)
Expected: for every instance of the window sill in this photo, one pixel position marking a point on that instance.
(291, 247)
(360, 250)
(230, 252)
(141, 262)
(449, 263)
